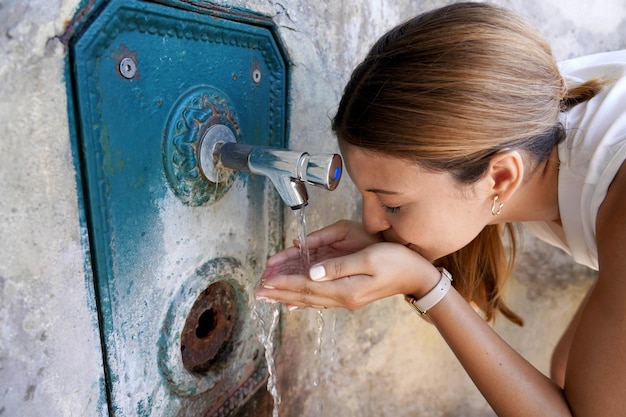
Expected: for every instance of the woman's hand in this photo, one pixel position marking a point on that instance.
(353, 269)
(342, 238)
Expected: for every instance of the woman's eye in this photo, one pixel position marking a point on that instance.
(390, 210)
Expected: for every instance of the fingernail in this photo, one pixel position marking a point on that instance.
(317, 272)
(292, 308)
(269, 287)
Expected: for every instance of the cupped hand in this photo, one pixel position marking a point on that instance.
(339, 239)
(347, 274)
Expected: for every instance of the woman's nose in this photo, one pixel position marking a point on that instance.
(373, 218)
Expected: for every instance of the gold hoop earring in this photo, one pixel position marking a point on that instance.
(496, 208)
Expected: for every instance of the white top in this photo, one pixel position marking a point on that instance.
(590, 157)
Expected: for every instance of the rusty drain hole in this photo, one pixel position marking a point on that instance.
(209, 327)
(206, 323)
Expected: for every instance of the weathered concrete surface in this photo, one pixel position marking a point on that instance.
(382, 360)
(50, 360)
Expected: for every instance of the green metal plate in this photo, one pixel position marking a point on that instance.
(148, 78)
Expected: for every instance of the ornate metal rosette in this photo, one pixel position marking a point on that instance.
(194, 113)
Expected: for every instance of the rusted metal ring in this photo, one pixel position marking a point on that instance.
(208, 327)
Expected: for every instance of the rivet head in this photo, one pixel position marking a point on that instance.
(256, 75)
(128, 68)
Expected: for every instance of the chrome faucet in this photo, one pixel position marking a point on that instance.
(288, 170)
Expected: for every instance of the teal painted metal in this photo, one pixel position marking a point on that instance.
(147, 79)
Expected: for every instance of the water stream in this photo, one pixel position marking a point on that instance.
(267, 316)
(304, 245)
(306, 263)
(324, 374)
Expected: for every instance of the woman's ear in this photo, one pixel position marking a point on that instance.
(505, 174)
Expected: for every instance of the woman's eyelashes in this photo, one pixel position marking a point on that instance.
(390, 210)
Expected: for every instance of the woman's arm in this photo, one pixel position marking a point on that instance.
(595, 379)
(558, 362)
(511, 385)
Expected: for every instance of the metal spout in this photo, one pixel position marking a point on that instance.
(288, 170)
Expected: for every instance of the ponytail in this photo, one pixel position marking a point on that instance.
(581, 93)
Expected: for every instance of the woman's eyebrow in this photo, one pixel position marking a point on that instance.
(379, 191)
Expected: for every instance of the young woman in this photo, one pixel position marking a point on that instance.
(457, 124)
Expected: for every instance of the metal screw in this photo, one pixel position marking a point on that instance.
(128, 68)
(256, 75)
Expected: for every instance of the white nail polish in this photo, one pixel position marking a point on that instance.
(317, 272)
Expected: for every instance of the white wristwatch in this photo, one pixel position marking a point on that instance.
(433, 296)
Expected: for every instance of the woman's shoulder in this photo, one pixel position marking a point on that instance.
(593, 151)
(601, 121)
(595, 64)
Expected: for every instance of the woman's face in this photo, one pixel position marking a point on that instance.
(428, 212)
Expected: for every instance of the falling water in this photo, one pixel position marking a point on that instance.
(321, 322)
(304, 245)
(306, 261)
(318, 348)
(267, 316)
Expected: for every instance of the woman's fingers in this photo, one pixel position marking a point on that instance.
(339, 239)
(296, 290)
(330, 234)
(358, 263)
(283, 256)
(323, 237)
(330, 264)
(352, 292)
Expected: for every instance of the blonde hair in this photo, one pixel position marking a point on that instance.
(448, 89)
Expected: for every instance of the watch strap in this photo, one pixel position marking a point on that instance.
(433, 296)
